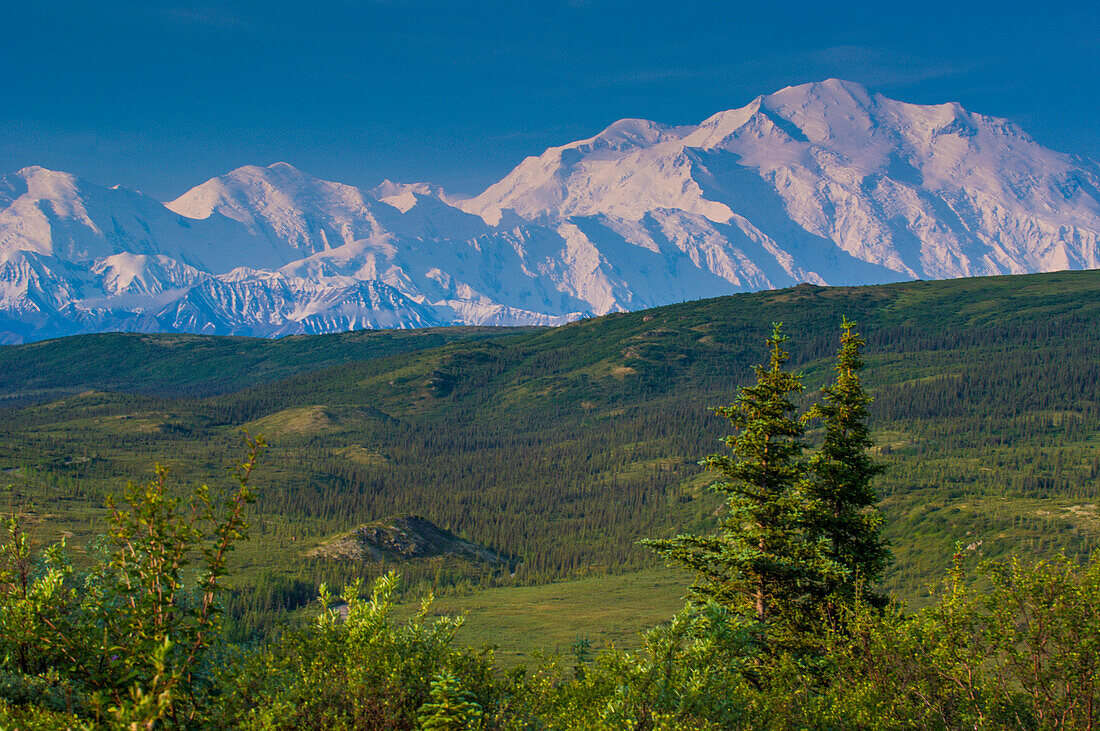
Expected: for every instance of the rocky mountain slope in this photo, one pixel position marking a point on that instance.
(826, 183)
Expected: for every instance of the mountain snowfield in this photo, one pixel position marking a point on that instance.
(825, 183)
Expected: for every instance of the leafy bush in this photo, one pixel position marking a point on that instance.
(131, 640)
(1024, 654)
(364, 670)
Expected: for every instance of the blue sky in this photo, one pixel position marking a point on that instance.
(160, 96)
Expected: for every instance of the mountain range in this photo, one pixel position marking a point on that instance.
(826, 183)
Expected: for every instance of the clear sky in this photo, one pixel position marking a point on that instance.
(161, 96)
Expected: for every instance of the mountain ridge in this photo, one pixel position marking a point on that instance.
(827, 183)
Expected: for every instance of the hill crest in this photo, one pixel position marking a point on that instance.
(401, 538)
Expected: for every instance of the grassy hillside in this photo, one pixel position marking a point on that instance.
(565, 446)
(193, 365)
(605, 610)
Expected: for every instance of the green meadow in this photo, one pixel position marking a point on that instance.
(564, 447)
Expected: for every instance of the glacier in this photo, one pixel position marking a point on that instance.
(827, 183)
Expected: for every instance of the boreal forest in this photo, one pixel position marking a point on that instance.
(868, 507)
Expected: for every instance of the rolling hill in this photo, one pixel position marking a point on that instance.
(564, 446)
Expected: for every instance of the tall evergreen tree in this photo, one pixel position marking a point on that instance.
(840, 511)
(759, 559)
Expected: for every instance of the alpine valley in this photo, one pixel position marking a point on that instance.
(826, 183)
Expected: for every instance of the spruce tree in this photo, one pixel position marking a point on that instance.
(759, 563)
(840, 500)
(450, 708)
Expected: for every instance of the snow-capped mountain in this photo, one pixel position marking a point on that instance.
(825, 183)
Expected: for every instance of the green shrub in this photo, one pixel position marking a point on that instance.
(365, 671)
(131, 640)
(450, 708)
(1024, 654)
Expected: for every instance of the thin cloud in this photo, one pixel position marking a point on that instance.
(211, 17)
(642, 77)
(878, 67)
(867, 65)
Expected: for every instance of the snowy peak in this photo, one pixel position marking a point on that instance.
(298, 214)
(808, 113)
(42, 183)
(403, 196)
(58, 214)
(589, 177)
(825, 182)
(628, 134)
(269, 191)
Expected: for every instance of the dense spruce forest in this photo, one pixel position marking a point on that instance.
(563, 447)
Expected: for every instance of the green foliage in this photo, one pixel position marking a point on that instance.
(986, 406)
(36, 718)
(764, 560)
(701, 670)
(38, 594)
(364, 670)
(130, 639)
(450, 708)
(134, 641)
(689, 674)
(840, 509)
(1021, 655)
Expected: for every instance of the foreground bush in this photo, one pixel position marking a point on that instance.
(1023, 654)
(367, 671)
(132, 641)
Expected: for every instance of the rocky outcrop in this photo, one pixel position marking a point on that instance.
(404, 538)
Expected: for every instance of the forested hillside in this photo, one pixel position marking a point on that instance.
(563, 447)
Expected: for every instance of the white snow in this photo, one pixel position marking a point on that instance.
(825, 182)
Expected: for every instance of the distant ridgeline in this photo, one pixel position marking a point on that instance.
(563, 447)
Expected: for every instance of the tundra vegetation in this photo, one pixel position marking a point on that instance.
(562, 448)
(785, 626)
